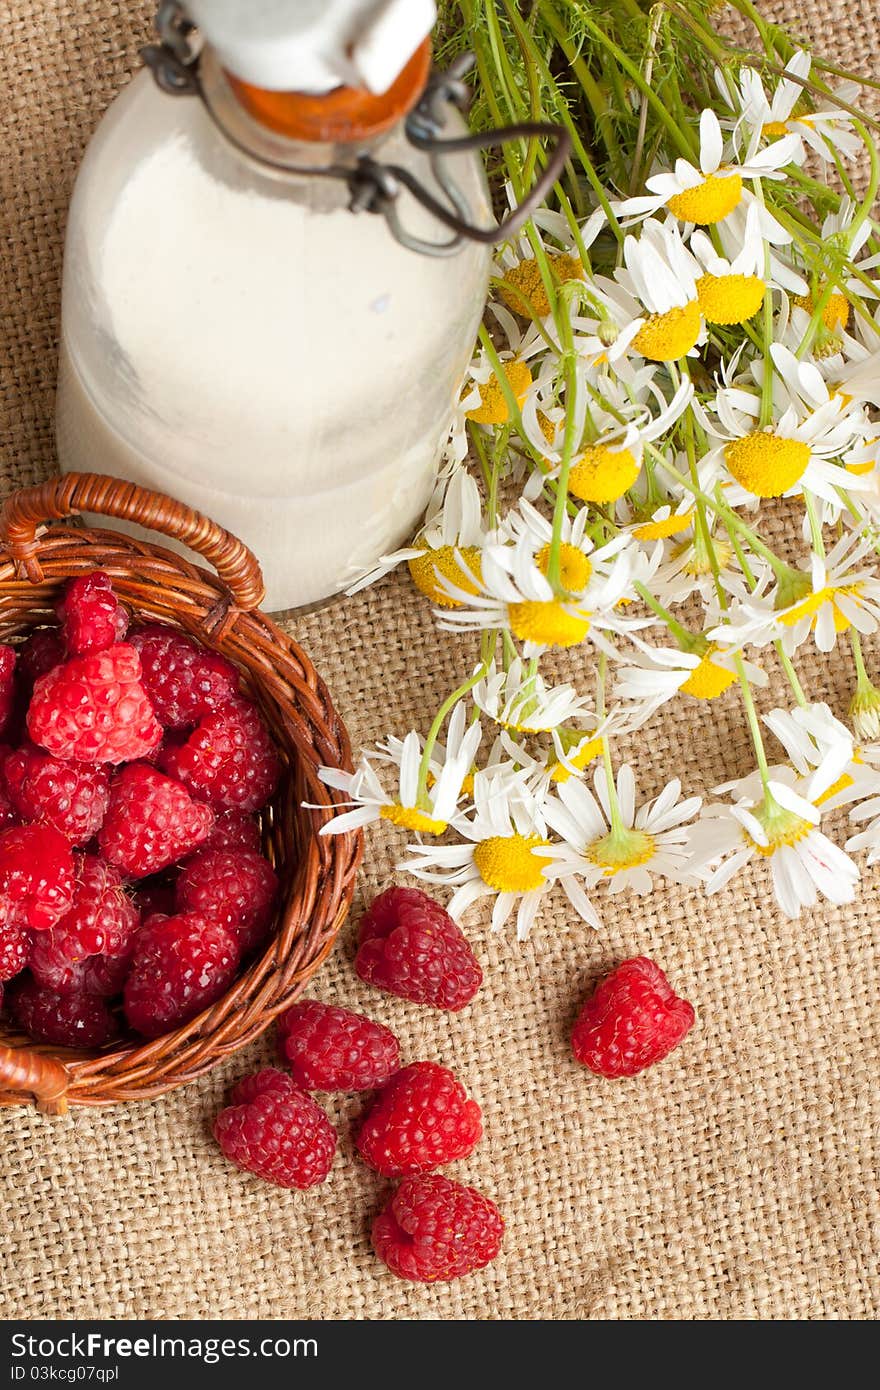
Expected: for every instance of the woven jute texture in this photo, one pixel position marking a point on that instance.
(736, 1180)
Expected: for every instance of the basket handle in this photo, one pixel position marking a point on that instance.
(64, 496)
(44, 1077)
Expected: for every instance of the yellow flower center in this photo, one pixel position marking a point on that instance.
(492, 409)
(547, 623)
(412, 819)
(548, 428)
(601, 474)
(666, 337)
(522, 288)
(810, 606)
(506, 863)
(840, 785)
(730, 298)
(467, 783)
(709, 202)
(783, 828)
(626, 849)
(667, 526)
(575, 568)
(774, 128)
(699, 560)
(425, 568)
(767, 465)
(581, 759)
(835, 315)
(708, 680)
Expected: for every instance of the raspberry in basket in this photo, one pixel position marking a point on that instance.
(37, 656)
(184, 680)
(64, 1020)
(181, 965)
(91, 616)
(229, 759)
(421, 1120)
(90, 949)
(234, 830)
(152, 821)
(633, 1019)
(94, 708)
(70, 796)
(277, 1131)
(36, 876)
(236, 888)
(434, 1229)
(333, 1049)
(7, 685)
(410, 946)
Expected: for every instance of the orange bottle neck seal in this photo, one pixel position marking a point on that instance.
(345, 115)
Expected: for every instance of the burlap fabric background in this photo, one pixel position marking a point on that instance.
(737, 1180)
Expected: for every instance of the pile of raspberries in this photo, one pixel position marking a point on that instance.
(131, 880)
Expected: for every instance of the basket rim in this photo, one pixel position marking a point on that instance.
(162, 585)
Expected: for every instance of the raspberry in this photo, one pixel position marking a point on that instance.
(632, 1020)
(8, 814)
(181, 965)
(234, 830)
(90, 949)
(7, 685)
(421, 1120)
(94, 708)
(434, 1229)
(91, 616)
(64, 1020)
(410, 946)
(184, 680)
(36, 876)
(278, 1132)
(229, 760)
(15, 947)
(233, 887)
(269, 1079)
(70, 796)
(332, 1049)
(152, 821)
(38, 655)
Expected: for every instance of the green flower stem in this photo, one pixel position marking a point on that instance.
(448, 704)
(554, 577)
(788, 668)
(864, 684)
(815, 525)
(754, 727)
(685, 639)
(590, 87)
(767, 327)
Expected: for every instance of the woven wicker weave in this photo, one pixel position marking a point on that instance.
(317, 874)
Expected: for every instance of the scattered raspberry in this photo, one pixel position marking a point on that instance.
(421, 1120)
(90, 949)
(279, 1133)
(94, 708)
(8, 814)
(39, 654)
(91, 616)
(269, 1079)
(15, 947)
(434, 1229)
(70, 796)
(64, 1020)
(229, 760)
(410, 946)
(152, 821)
(7, 685)
(36, 876)
(184, 680)
(234, 830)
(233, 887)
(181, 965)
(632, 1020)
(333, 1049)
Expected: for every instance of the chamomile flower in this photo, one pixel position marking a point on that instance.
(659, 673)
(520, 699)
(838, 592)
(429, 813)
(607, 840)
(568, 754)
(708, 194)
(809, 734)
(452, 532)
(658, 277)
(780, 825)
(730, 291)
(770, 118)
(496, 854)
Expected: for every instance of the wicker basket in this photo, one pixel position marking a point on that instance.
(316, 874)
